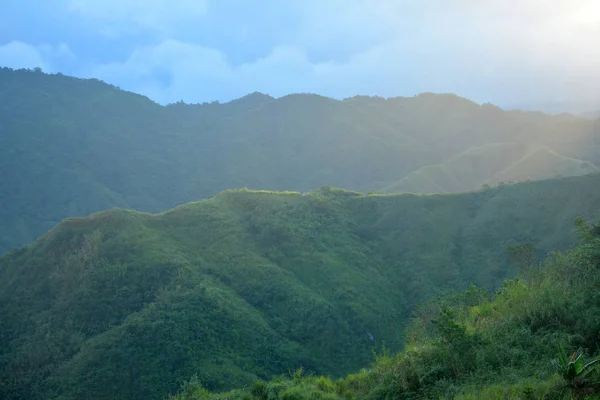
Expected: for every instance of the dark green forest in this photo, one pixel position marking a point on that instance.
(71, 147)
(248, 285)
(533, 338)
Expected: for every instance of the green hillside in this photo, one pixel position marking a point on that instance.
(542, 163)
(71, 147)
(490, 164)
(535, 338)
(249, 285)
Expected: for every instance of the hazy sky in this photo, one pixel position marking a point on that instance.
(503, 51)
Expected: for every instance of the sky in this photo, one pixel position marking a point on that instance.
(530, 53)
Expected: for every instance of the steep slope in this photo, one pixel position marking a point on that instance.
(251, 284)
(490, 164)
(70, 147)
(536, 338)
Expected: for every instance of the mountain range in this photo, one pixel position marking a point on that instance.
(188, 248)
(71, 147)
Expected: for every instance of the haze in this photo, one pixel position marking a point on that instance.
(299, 200)
(530, 54)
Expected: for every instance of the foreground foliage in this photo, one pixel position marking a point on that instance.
(249, 285)
(509, 345)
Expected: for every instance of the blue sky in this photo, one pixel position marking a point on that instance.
(504, 51)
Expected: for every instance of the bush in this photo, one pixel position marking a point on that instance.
(259, 390)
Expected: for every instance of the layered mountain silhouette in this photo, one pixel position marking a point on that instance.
(71, 147)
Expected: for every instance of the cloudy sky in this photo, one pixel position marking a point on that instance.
(504, 51)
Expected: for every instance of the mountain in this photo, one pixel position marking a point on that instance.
(490, 164)
(251, 284)
(543, 162)
(591, 114)
(577, 107)
(533, 339)
(72, 147)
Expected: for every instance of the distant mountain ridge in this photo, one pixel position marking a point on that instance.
(490, 164)
(591, 114)
(71, 147)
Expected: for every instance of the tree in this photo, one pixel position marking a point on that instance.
(585, 231)
(455, 341)
(574, 370)
(523, 254)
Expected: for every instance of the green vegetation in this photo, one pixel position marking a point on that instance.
(230, 292)
(71, 147)
(248, 285)
(509, 345)
(490, 164)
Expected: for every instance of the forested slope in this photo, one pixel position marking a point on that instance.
(535, 338)
(248, 285)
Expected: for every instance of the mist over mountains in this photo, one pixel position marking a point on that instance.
(299, 200)
(71, 147)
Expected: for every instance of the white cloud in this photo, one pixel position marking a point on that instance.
(126, 16)
(186, 64)
(487, 51)
(62, 52)
(197, 72)
(22, 55)
(498, 50)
